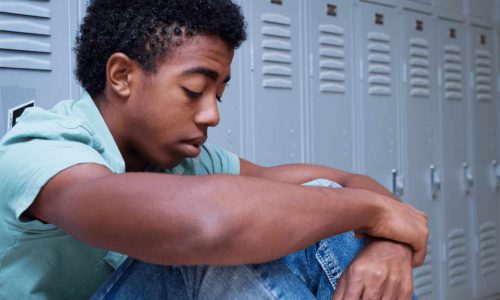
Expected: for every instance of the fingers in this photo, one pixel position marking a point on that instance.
(340, 289)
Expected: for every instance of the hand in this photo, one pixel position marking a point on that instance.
(382, 270)
(403, 223)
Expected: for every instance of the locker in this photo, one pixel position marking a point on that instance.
(486, 273)
(276, 82)
(377, 89)
(229, 133)
(330, 79)
(482, 10)
(454, 6)
(456, 271)
(34, 53)
(419, 121)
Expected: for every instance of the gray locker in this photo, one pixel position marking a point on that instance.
(456, 279)
(229, 133)
(486, 273)
(330, 80)
(482, 10)
(276, 65)
(35, 53)
(377, 90)
(419, 120)
(453, 6)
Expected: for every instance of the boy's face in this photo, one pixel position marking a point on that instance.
(170, 111)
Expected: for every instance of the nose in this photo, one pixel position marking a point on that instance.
(208, 113)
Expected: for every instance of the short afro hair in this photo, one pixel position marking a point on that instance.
(146, 30)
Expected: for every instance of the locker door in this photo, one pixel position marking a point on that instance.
(330, 93)
(229, 133)
(35, 53)
(420, 120)
(486, 274)
(378, 84)
(456, 272)
(426, 2)
(482, 10)
(455, 6)
(276, 82)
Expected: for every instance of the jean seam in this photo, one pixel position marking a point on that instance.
(330, 265)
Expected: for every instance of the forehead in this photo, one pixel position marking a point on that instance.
(209, 52)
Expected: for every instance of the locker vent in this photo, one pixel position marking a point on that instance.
(487, 248)
(277, 51)
(379, 64)
(457, 257)
(483, 79)
(25, 35)
(423, 275)
(419, 68)
(453, 78)
(332, 59)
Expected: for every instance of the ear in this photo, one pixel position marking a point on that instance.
(119, 73)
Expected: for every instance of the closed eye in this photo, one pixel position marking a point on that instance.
(191, 94)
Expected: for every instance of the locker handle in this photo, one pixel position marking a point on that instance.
(397, 184)
(496, 175)
(435, 181)
(468, 177)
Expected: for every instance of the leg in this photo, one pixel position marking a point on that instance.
(139, 280)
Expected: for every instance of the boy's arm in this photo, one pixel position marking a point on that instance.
(216, 219)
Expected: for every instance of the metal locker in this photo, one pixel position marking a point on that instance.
(229, 132)
(330, 79)
(419, 121)
(377, 37)
(276, 82)
(34, 53)
(484, 226)
(456, 271)
(454, 6)
(482, 10)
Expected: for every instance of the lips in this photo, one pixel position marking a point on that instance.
(191, 147)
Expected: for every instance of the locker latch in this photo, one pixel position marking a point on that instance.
(397, 184)
(379, 19)
(468, 177)
(279, 2)
(453, 33)
(419, 25)
(435, 181)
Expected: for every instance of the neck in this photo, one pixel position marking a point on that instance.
(111, 116)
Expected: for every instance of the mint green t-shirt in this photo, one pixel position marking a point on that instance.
(40, 261)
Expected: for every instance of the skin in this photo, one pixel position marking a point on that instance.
(197, 219)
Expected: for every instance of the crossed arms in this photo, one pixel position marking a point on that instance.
(226, 220)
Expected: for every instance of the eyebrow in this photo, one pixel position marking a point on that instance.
(212, 74)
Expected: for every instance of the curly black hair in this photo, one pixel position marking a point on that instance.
(146, 30)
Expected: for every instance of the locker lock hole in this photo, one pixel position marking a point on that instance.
(483, 39)
(331, 10)
(453, 33)
(278, 2)
(379, 19)
(419, 25)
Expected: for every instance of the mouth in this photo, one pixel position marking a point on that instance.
(192, 147)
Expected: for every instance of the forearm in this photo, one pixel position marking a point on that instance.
(219, 219)
(301, 173)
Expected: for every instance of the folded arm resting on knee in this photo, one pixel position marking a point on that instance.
(383, 269)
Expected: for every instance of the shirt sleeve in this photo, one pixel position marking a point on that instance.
(29, 157)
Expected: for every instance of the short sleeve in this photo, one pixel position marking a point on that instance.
(30, 156)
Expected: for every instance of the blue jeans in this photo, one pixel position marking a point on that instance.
(308, 274)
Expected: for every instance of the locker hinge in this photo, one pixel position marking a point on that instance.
(404, 72)
(495, 175)
(440, 77)
(361, 69)
(251, 58)
(471, 79)
(468, 178)
(443, 253)
(311, 65)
